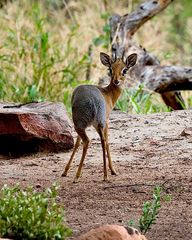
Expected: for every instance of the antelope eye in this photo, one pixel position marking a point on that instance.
(124, 71)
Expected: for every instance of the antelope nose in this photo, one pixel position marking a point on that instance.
(116, 82)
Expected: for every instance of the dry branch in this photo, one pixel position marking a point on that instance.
(167, 78)
(161, 79)
(124, 27)
(144, 12)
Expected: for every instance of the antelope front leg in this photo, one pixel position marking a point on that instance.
(113, 172)
(103, 143)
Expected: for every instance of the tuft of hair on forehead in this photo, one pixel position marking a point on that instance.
(114, 56)
(119, 63)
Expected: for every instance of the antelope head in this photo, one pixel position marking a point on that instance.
(118, 68)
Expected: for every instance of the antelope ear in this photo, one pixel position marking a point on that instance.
(131, 60)
(105, 59)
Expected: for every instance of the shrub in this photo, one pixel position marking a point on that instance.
(104, 38)
(36, 64)
(27, 214)
(138, 100)
(150, 211)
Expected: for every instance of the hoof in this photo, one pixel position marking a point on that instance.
(64, 174)
(75, 180)
(113, 172)
(105, 179)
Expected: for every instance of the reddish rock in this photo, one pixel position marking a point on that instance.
(34, 127)
(112, 232)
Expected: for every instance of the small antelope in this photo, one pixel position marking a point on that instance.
(91, 105)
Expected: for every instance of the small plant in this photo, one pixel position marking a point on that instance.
(150, 211)
(27, 214)
(179, 33)
(104, 38)
(189, 101)
(137, 100)
(35, 64)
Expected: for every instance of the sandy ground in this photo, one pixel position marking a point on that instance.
(147, 151)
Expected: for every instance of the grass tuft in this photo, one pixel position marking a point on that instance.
(137, 100)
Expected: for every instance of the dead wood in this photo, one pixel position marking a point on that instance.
(166, 80)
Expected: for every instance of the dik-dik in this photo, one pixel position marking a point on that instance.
(91, 105)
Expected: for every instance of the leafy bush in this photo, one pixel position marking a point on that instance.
(150, 211)
(139, 101)
(27, 214)
(104, 38)
(35, 65)
(179, 32)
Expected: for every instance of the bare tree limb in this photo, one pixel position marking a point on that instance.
(148, 70)
(144, 12)
(124, 27)
(167, 78)
(173, 100)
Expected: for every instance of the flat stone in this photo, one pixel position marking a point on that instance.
(112, 232)
(34, 127)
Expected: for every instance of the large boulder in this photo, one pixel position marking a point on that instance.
(112, 232)
(34, 127)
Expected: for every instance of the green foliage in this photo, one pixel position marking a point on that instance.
(27, 214)
(40, 57)
(34, 64)
(131, 223)
(189, 101)
(139, 101)
(179, 30)
(2, 85)
(150, 211)
(104, 38)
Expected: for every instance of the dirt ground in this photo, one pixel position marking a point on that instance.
(147, 151)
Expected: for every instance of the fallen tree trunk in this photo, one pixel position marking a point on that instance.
(166, 80)
(34, 127)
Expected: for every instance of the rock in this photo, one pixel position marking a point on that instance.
(112, 232)
(186, 132)
(34, 127)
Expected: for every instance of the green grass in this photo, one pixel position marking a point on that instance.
(104, 38)
(138, 100)
(27, 214)
(43, 51)
(34, 65)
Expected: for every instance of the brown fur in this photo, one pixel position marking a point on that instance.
(110, 93)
